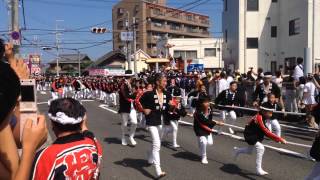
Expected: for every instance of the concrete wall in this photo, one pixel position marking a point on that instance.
(196, 44)
(242, 24)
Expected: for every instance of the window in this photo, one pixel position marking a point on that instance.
(185, 54)
(294, 27)
(225, 5)
(252, 5)
(273, 31)
(274, 1)
(252, 43)
(210, 52)
(226, 35)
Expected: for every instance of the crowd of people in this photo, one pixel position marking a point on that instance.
(150, 100)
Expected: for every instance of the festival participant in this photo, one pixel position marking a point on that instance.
(263, 89)
(76, 153)
(273, 123)
(203, 125)
(176, 111)
(155, 106)
(315, 153)
(229, 97)
(254, 134)
(127, 109)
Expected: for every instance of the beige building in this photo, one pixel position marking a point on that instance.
(155, 20)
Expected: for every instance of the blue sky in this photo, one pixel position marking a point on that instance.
(42, 14)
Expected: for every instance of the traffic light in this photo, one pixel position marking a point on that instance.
(98, 30)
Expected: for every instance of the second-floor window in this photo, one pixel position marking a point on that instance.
(252, 5)
(210, 52)
(294, 27)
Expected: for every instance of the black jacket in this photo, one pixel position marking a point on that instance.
(125, 98)
(149, 100)
(259, 92)
(174, 113)
(202, 124)
(226, 98)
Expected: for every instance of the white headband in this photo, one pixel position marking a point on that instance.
(62, 118)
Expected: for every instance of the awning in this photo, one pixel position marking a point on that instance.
(157, 60)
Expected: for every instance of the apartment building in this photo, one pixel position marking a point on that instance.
(155, 20)
(271, 34)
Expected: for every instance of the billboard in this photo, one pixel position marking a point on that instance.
(106, 72)
(34, 58)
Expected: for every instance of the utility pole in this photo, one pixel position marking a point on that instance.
(134, 44)
(79, 63)
(128, 43)
(15, 21)
(58, 39)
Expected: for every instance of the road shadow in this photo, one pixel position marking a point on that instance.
(235, 170)
(187, 156)
(112, 140)
(137, 164)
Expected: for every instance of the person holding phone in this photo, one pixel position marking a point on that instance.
(34, 134)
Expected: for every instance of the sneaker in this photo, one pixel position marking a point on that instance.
(231, 131)
(124, 142)
(176, 146)
(163, 174)
(261, 172)
(132, 141)
(204, 160)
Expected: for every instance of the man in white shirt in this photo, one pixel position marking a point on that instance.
(298, 70)
(223, 83)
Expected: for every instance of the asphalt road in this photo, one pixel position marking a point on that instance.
(129, 163)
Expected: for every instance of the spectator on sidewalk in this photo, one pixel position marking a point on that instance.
(34, 135)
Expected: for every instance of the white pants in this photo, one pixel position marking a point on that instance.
(172, 128)
(232, 116)
(203, 142)
(273, 125)
(259, 147)
(154, 156)
(315, 173)
(133, 127)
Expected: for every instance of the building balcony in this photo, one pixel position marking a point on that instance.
(174, 16)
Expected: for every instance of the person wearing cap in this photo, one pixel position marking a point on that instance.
(229, 97)
(203, 126)
(176, 111)
(76, 153)
(254, 134)
(127, 109)
(263, 89)
(155, 105)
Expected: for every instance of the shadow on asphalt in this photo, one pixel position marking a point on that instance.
(112, 140)
(187, 156)
(137, 164)
(235, 170)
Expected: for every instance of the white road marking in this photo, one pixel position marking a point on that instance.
(268, 146)
(300, 128)
(103, 106)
